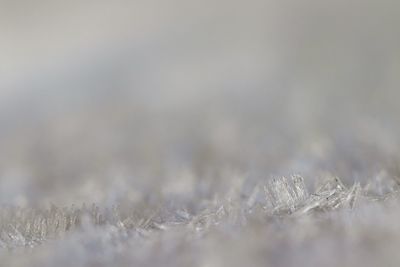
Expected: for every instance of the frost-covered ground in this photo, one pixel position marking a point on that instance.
(278, 223)
(275, 224)
(212, 133)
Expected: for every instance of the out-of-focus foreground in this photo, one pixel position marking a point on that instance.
(177, 119)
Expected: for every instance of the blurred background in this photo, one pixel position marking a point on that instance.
(108, 100)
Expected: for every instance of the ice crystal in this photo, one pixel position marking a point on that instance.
(25, 227)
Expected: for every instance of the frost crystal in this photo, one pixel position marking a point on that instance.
(104, 233)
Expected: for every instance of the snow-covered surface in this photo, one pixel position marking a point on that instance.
(275, 224)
